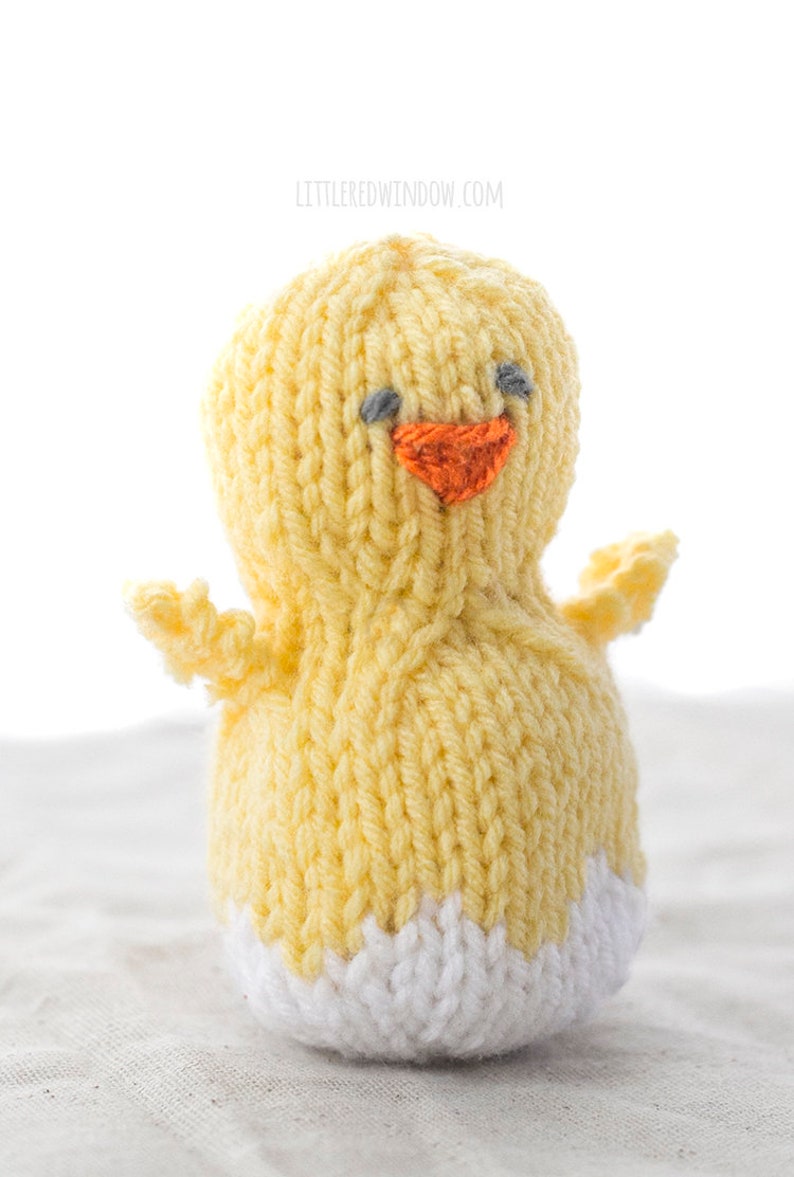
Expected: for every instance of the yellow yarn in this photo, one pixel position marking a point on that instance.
(197, 640)
(407, 713)
(620, 585)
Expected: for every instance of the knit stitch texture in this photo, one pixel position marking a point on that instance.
(408, 718)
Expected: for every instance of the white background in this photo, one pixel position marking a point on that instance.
(151, 155)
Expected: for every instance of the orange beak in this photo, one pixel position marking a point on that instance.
(457, 461)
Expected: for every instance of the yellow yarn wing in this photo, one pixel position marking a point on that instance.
(222, 648)
(619, 586)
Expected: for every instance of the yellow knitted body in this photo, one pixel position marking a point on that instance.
(492, 760)
(407, 715)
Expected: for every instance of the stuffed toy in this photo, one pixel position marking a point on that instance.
(423, 823)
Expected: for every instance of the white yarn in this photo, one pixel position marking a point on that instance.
(442, 986)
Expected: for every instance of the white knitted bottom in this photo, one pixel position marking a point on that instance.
(442, 986)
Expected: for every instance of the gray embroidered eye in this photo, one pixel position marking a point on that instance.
(513, 381)
(379, 405)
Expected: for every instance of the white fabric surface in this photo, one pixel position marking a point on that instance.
(125, 1050)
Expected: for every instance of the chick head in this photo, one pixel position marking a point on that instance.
(402, 417)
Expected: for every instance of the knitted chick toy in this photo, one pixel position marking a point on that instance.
(423, 834)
